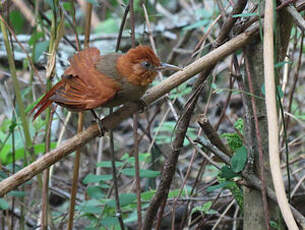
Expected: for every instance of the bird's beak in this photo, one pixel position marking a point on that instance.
(165, 66)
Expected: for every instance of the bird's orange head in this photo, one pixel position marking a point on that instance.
(140, 65)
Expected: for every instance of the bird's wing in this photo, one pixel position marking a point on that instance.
(84, 87)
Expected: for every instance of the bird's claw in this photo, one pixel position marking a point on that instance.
(142, 105)
(99, 123)
(100, 127)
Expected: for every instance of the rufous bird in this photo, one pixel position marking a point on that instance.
(93, 80)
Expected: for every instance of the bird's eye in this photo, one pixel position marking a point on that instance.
(146, 65)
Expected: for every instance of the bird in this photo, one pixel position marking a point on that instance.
(93, 80)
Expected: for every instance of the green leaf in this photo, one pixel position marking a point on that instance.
(239, 124)
(147, 196)
(16, 193)
(174, 193)
(4, 152)
(167, 126)
(145, 157)
(227, 173)
(205, 208)
(244, 15)
(133, 217)
(90, 228)
(234, 141)
(7, 156)
(163, 139)
(109, 25)
(239, 159)
(125, 199)
(90, 206)
(198, 24)
(126, 157)
(92, 178)
(95, 192)
(40, 48)
(19, 153)
(237, 193)
(3, 204)
(17, 21)
(108, 164)
(109, 221)
(143, 172)
(274, 225)
(218, 186)
(67, 6)
(35, 37)
(280, 64)
(180, 91)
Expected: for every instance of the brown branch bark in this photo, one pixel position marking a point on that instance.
(126, 111)
(212, 135)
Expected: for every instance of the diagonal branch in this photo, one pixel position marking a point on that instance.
(110, 122)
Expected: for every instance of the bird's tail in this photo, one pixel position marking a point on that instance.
(45, 102)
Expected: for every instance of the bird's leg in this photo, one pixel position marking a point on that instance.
(99, 123)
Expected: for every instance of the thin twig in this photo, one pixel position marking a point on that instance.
(56, 31)
(132, 22)
(224, 108)
(12, 130)
(75, 174)
(80, 118)
(295, 80)
(122, 28)
(45, 185)
(74, 26)
(223, 214)
(115, 179)
(135, 127)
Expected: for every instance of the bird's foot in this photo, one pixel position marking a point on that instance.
(99, 123)
(100, 127)
(142, 105)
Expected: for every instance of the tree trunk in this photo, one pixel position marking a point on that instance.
(254, 216)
